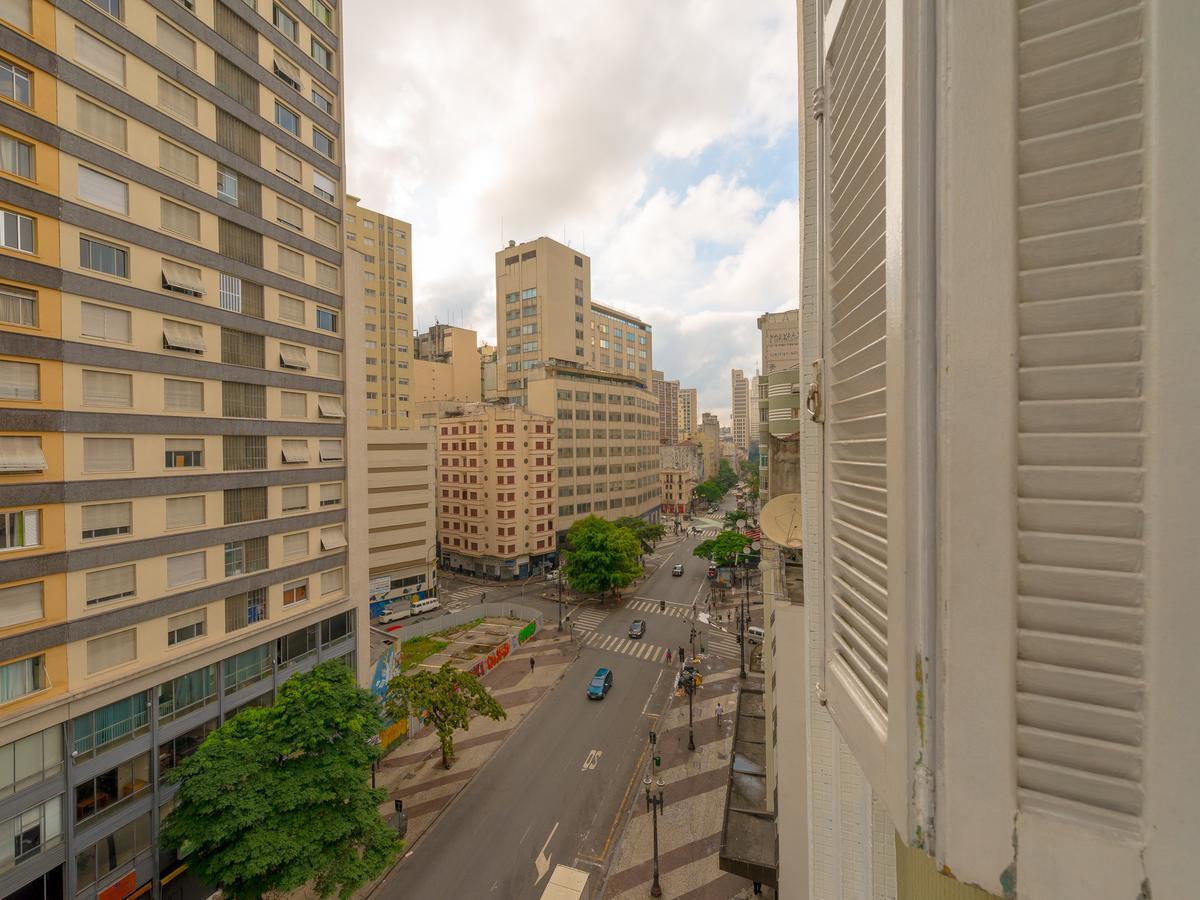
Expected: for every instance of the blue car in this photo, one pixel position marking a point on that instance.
(600, 684)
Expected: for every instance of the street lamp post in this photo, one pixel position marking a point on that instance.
(689, 686)
(654, 804)
(560, 600)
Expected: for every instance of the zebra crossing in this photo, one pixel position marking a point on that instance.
(462, 597)
(651, 606)
(588, 619)
(709, 532)
(611, 643)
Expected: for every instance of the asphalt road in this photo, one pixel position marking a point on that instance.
(555, 791)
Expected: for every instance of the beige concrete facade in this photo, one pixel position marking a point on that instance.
(780, 336)
(487, 372)
(740, 409)
(386, 298)
(176, 408)
(708, 438)
(496, 490)
(667, 394)
(400, 501)
(447, 365)
(688, 412)
(679, 468)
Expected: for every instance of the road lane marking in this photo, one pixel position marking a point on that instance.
(542, 863)
(592, 761)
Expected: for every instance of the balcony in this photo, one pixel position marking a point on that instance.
(749, 844)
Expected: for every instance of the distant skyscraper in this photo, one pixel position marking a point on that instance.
(740, 418)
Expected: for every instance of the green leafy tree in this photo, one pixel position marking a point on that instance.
(709, 491)
(445, 698)
(733, 517)
(723, 548)
(726, 477)
(646, 532)
(279, 797)
(600, 557)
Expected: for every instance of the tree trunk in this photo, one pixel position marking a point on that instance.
(447, 754)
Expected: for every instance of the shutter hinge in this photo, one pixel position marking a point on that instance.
(821, 698)
(818, 103)
(813, 401)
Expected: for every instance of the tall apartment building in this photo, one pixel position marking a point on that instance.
(401, 468)
(740, 411)
(667, 394)
(487, 372)
(496, 516)
(688, 412)
(679, 468)
(780, 338)
(999, 502)
(386, 246)
(708, 436)
(176, 400)
(447, 366)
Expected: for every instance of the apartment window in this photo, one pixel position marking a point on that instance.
(186, 626)
(293, 405)
(100, 256)
(287, 72)
(18, 307)
(178, 161)
(27, 834)
(176, 44)
(112, 7)
(243, 452)
(184, 453)
(330, 407)
(291, 310)
(187, 692)
(15, 82)
(295, 546)
(332, 581)
(104, 60)
(185, 512)
(112, 650)
(108, 454)
(287, 119)
(324, 187)
(245, 609)
(22, 678)
(244, 557)
(327, 320)
(243, 401)
(108, 128)
(182, 279)
(291, 262)
(113, 389)
(295, 498)
(31, 760)
(288, 166)
(106, 585)
(176, 101)
(333, 538)
(322, 102)
(18, 530)
(331, 451)
(289, 214)
(285, 23)
(19, 381)
(331, 494)
(323, 143)
(327, 276)
(227, 185)
(240, 348)
(187, 568)
(247, 504)
(295, 592)
(327, 232)
(23, 602)
(107, 520)
(16, 231)
(180, 220)
(248, 667)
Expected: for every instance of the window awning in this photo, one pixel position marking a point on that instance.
(181, 336)
(178, 277)
(22, 454)
(330, 408)
(331, 451)
(293, 357)
(333, 538)
(295, 451)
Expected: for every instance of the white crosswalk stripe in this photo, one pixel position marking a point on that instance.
(611, 643)
(588, 619)
(678, 612)
(462, 594)
(725, 645)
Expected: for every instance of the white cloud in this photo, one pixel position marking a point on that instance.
(556, 116)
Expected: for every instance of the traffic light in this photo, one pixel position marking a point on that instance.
(658, 761)
(653, 738)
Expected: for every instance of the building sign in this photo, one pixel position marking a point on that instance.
(380, 585)
(527, 632)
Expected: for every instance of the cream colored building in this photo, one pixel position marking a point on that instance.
(447, 365)
(400, 494)
(740, 409)
(487, 372)
(679, 466)
(688, 412)
(386, 245)
(667, 394)
(496, 491)
(176, 405)
(780, 338)
(708, 436)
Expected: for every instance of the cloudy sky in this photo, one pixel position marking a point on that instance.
(659, 137)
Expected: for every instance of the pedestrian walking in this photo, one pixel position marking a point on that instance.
(719, 714)
(668, 656)
(531, 665)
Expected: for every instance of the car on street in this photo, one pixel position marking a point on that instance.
(637, 628)
(600, 684)
(677, 569)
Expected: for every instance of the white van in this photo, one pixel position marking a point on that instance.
(395, 613)
(429, 604)
(755, 635)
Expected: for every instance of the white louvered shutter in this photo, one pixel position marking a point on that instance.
(870, 397)
(22, 603)
(1081, 443)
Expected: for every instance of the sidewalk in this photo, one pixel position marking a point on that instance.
(689, 826)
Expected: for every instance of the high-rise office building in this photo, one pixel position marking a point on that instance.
(667, 394)
(173, 434)
(688, 416)
(386, 246)
(740, 418)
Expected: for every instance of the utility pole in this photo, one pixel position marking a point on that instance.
(560, 600)
(689, 686)
(654, 803)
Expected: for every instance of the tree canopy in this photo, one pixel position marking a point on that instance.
(709, 491)
(734, 516)
(444, 697)
(600, 556)
(726, 477)
(646, 532)
(723, 548)
(281, 796)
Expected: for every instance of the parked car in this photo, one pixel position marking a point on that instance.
(637, 628)
(677, 569)
(600, 684)
(755, 634)
(395, 613)
(552, 575)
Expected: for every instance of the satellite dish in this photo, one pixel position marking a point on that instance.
(781, 520)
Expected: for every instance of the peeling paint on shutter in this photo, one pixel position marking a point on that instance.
(1080, 477)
